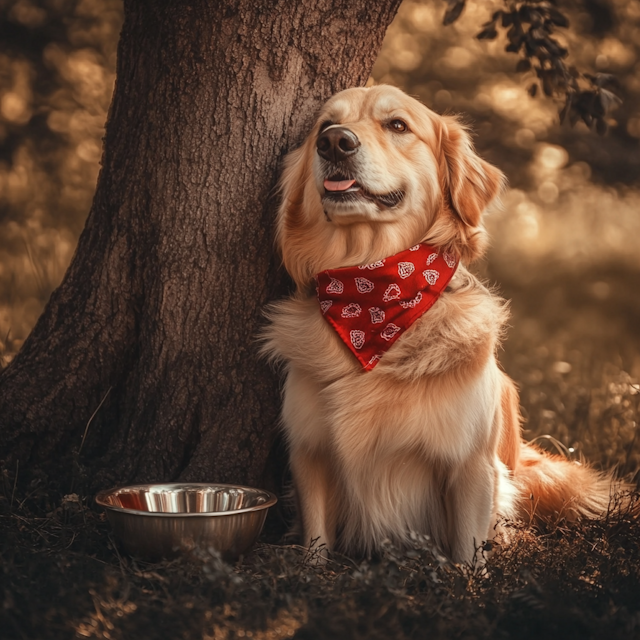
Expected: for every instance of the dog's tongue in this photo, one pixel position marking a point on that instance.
(338, 185)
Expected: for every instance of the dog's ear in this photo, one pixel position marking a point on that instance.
(468, 184)
(293, 218)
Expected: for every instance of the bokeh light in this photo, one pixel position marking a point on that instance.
(57, 70)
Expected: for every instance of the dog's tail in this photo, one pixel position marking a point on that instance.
(550, 487)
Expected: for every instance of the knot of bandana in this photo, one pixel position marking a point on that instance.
(371, 306)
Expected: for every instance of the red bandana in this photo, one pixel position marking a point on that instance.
(372, 306)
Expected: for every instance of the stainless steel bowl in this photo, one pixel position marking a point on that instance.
(164, 520)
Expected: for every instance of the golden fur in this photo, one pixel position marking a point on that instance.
(429, 440)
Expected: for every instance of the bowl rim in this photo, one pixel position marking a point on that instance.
(100, 496)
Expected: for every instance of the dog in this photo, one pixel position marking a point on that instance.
(410, 425)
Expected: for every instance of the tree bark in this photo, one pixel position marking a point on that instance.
(144, 366)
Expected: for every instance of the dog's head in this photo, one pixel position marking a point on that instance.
(378, 173)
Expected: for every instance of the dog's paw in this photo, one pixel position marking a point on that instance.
(318, 553)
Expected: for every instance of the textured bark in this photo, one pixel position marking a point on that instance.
(155, 321)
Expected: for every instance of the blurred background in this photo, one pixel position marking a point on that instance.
(565, 242)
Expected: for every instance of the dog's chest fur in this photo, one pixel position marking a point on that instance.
(393, 434)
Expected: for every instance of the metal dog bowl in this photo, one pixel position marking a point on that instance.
(164, 520)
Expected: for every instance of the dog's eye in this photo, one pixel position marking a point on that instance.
(324, 125)
(398, 125)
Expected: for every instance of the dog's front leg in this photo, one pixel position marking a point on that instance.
(313, 473)
(470, 506)
(315, 490)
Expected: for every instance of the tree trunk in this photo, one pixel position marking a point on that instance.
(144, 365)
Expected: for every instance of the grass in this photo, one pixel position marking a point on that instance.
(576, 359)
(64, 578)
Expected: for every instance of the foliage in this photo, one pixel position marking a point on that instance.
(529, 27)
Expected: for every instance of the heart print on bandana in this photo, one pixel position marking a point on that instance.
(357, 338)
(373, 265)
(363, 285)
(352, 310)
(392, 293)
(335, 286)
(431, 276)
(405, 269)
(377, 315)
(412, 303)
(449, 259)
(389, 331)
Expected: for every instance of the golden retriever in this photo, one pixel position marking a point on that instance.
(428, 440)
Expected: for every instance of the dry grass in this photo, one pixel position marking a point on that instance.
(64, 578)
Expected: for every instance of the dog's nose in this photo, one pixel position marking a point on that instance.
(337, 144)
